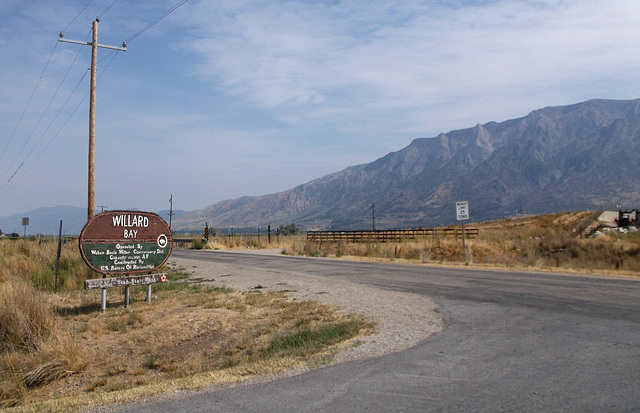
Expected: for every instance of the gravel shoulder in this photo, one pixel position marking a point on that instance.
(402, 319)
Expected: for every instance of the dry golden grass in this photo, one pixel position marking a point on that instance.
(36, 262)
(544, 242)
(549, 242)
(25, 321)
(242, 242)
(59, 352)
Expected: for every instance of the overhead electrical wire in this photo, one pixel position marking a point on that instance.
(36, 88)
(77, 15)
(114, 54)
(38, 83)
(107, 9)
(57, 114)
(28, 101)
(153, 23)
(43, 114)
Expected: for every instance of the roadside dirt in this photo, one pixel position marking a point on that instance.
(402, 319)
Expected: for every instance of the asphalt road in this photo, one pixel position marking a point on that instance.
(512, 341)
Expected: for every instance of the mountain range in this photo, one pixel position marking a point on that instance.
(576, 157)
(46, 221)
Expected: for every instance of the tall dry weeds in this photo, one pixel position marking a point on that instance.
(27, 324)
(26, 316)
(282, 242)
(33, 352)
(36, 262)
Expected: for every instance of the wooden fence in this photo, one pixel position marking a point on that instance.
(389, 235)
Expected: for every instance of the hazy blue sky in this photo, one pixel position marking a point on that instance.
(223, 99)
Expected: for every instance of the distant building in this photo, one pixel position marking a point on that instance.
(620, 218)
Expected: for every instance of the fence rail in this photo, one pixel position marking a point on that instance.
(389, 235)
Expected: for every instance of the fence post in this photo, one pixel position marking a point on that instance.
(55, 284)
(464, 249)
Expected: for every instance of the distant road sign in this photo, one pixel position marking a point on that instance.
(125, 242)
(462, 210)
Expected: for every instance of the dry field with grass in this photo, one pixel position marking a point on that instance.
(58, 352)
(546, 242)
(542, 242)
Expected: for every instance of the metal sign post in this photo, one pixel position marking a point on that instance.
(462, 213)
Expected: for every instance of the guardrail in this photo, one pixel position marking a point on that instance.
(389, 235)
(183, 242)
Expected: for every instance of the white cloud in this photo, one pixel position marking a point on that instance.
(288, 55)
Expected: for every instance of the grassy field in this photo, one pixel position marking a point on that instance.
(59, 352)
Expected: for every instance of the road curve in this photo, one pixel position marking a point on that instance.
(512, 341)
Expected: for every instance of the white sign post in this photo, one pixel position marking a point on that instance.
(462, 213)
(25, 224)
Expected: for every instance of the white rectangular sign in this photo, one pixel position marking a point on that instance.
(462, 210)
(111, 282)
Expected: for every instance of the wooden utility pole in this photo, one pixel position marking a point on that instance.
(92, 108)
(92, 124)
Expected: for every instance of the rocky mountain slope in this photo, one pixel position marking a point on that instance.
(581, 156)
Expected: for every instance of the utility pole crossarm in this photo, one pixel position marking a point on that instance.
(122, 48)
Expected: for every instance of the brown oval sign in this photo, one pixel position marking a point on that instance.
(125, 242)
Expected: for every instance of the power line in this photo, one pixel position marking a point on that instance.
(113, 54)
(56, 135)
(46, 130)
(42, 116)
(77, 15)
(28, 102)
(4, 185)
(153, 23)
(82, 11)
(107, 9)
(38, 83)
